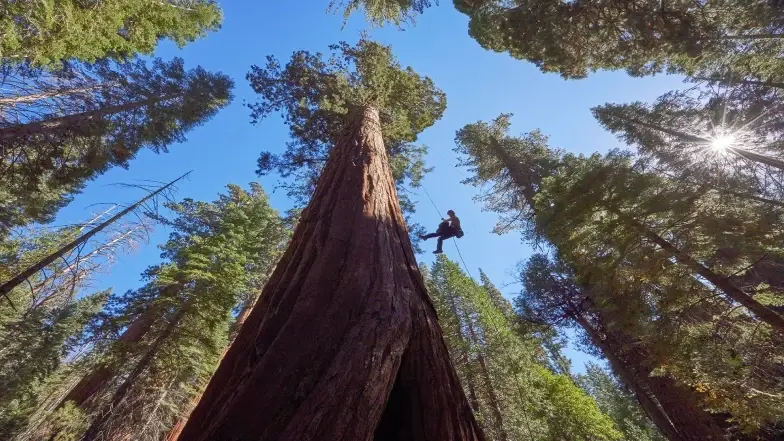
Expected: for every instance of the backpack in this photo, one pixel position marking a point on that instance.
(460, 233)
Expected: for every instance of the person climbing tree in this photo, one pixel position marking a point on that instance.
(447, 229)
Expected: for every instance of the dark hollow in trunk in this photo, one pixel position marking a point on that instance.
(344, 339)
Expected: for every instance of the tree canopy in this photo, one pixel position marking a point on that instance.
(48, 32)
(643, 37)
(96, 117)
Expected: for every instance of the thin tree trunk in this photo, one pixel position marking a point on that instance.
(53, 93)
(731, 81)
(104, 415)
(495, 406)
(471, 382)
(6, 287)
(94, 382)
(723, 283)
(75, 120)
(344, 343)
(672, 408)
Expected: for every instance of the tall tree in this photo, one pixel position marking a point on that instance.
(520, 399)
(642, 241)
(49, 154)
(217, 255)
(615, 400)
(8, 285)
(729, 142)
(370, 360)
(49, 32)
(643, 37)
(552, 294)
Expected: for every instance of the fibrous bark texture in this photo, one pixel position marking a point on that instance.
(344, 343)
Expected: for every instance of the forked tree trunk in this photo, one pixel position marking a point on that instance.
(344, 343)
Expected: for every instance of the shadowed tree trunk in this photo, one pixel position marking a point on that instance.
(673, 408)
(108, 411)
(721, 282)
(344, 343)
(97, 379)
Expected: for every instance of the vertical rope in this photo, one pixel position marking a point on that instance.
(453, 239)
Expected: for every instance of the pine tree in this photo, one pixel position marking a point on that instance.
(380, 12)
(644, 38)
(639, 240)
(519, 398)
(369, 358)
(33, 350)
(48, 32)
(729, 143)
(49, 154)
(177, 325)
(620, 404)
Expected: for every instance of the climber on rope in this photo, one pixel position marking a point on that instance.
(448, 228)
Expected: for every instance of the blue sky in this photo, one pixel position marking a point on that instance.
(479, 86)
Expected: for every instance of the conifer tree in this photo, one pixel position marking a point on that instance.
(517, 396)
(615, 400)
(50, 151)
(45, 33)
(643, 38)
(639, 240)
(177, 325)
(344, 342)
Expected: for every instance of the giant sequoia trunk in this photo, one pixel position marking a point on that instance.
(673, 408)
(344, 343)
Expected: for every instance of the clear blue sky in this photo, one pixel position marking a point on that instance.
(479, 86)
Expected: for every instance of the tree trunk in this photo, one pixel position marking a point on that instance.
(76, 120)
(674, 409)
(344, 343)
(52, 93)
(471, 382)
(17, 280)
(105, 414)
(495, 406)
(723, 283)
(94, 382)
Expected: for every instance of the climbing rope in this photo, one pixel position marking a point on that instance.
(510, 360)
(453, 239)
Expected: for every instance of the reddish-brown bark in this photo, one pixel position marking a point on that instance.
(344, 343)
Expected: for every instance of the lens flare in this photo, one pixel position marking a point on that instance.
(722, 142)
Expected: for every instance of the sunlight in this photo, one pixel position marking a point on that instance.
(721, 142)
